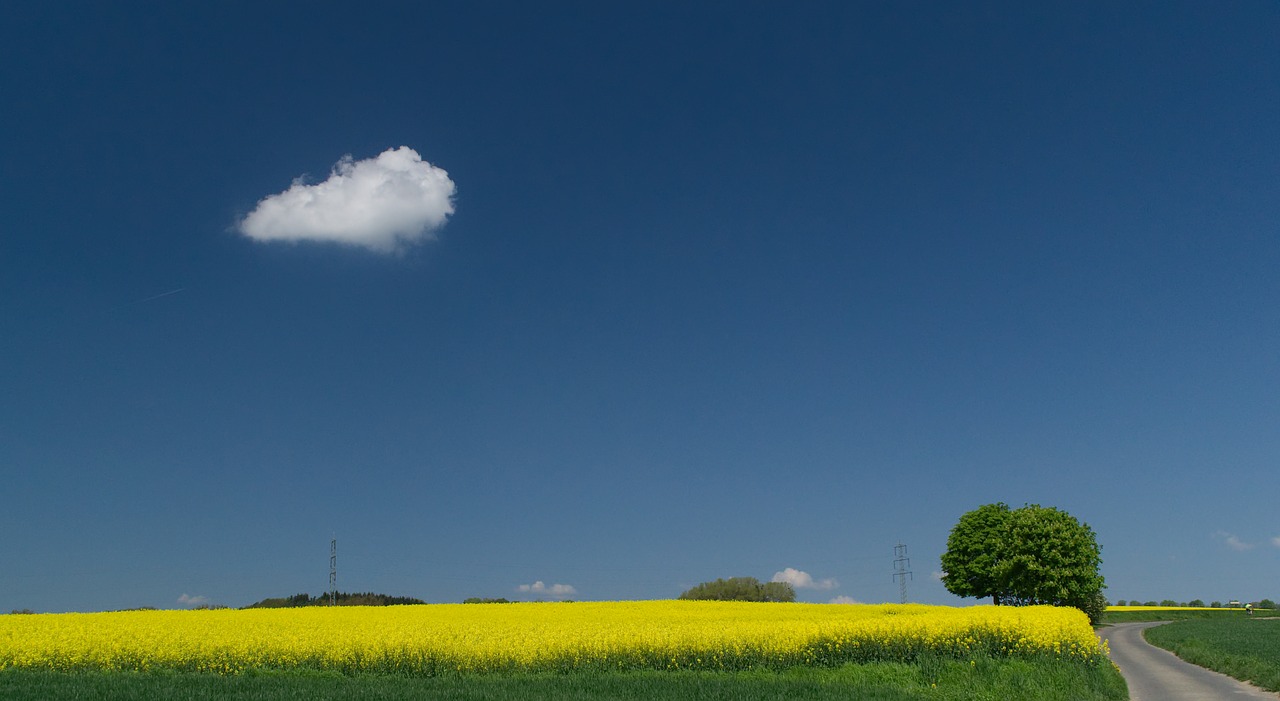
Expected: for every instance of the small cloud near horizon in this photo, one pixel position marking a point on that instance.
(1233, 542)
(191, 601)
(384, 204)
(842, 599)
(557, 591)
(803, 580)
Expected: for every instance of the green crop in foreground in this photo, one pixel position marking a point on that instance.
(935, 679)
(1245, 648)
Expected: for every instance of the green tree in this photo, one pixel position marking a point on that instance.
(1021, 557)
(1266, 604)
(342, 598)
(971, 564)
(741, 589)
(1095, 607)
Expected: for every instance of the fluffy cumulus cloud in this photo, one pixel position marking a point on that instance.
(803, 580)
(1233, 542)
(385, 204)
(1276, 541)
(192, 601)
(842, 599)
(555, 591)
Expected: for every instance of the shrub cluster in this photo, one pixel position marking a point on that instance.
(741, 589)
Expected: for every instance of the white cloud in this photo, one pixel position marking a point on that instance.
(384, 204)
(1233, 542)
(192, 601)
(1276, 541)
(557, 591)
(842, 599)
(937, 575)
(803, 580)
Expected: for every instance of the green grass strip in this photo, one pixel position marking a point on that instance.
(1173, 615)
(1245, 648)
(936, 679)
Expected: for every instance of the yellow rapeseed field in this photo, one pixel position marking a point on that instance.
(471, 638)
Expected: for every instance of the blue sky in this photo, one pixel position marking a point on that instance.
(710, 289)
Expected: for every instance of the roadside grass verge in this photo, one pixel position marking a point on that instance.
(1244, 648)
(932, 678)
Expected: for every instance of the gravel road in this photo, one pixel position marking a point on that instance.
(1154, 674)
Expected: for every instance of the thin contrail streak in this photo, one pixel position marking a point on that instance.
(162, 294)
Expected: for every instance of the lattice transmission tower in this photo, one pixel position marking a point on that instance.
(333, 571)
(901, 569)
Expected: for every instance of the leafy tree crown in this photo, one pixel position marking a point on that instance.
(1032, 555)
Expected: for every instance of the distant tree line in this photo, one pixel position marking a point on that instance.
(486, 600)
(1196, 603)
(340, 598)
(741, 589)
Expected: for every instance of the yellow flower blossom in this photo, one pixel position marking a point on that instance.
(479, 638)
